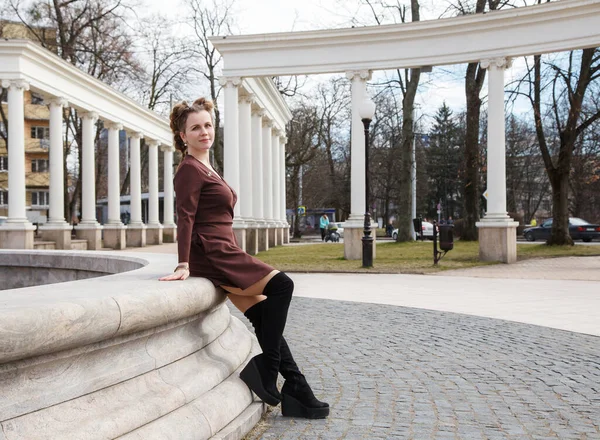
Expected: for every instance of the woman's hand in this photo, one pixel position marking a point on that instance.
(179, 274)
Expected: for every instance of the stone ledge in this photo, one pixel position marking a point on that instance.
(44, 319)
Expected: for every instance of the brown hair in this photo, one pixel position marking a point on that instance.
(179, 116)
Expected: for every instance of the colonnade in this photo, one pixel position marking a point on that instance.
(497, 231)
(18, 231)
(254, 162)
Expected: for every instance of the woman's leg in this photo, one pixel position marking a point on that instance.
(261, 372)
(298, 398)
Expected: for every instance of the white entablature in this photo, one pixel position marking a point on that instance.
(48, 74)
(550, 27)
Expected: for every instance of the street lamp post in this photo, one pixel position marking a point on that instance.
(366, 112)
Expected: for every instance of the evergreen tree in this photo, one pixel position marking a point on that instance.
(444, 163)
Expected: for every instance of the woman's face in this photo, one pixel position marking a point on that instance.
(199, 132)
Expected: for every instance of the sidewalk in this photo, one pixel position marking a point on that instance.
(562, 293)
(448, 356)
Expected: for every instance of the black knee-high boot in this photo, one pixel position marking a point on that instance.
(298, 398)
(261, 372)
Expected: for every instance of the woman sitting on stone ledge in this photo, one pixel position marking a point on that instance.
(207, 248)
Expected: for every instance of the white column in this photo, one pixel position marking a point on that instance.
(282, 179)
(231, 150)
(168, 206)
(135, 181)
(57, 198)
(257, 165)
(153, 183)
(114, 193)
(88, 184)
(276, 175)
(245, 145)
(267, 170)
(496, 152)
(16, 150)
(357, 149)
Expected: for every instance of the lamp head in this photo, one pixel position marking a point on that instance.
(366, 110)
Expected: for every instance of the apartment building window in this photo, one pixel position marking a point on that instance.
(3, 198)
(3, 163)
(39, 165)
(40, 133)
(40, 198)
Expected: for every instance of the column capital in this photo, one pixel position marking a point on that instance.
(89, 115)
(167, 148)
(500, 63)
(58, 101)
(230, 81)
(283, 139)
(363, 75)
(134, 134)
(258, 111)
(152, 143)
(15, 84)
(113, 125)
(266, 120)
(276, 132)
(250, 98)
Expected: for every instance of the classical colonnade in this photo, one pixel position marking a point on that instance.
(116, 234)
(254, 162)
(489, 39)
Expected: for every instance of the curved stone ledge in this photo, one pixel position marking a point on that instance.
(122, 355)
(33, 268)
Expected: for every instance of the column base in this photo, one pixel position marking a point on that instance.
(170, 233)
(239, 230)
(91, 233)
(497, 240)
(17, 235)
(353, 242)
(136, 235)
(272, 233)
(286, 234)
(59, 233)
(263, 238)
(154, 234)
(252, 239)
(114, 236)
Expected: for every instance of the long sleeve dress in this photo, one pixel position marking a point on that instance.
(205, 228)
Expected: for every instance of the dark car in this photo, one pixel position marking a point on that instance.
(578, 229)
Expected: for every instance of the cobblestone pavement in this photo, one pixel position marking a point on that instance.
(392, 372)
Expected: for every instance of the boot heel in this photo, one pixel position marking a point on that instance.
(292, 407)
(251, 377)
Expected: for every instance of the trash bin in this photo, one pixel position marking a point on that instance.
(418, 225)
(446, 237)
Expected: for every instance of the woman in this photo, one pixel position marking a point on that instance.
(323, 224)
(207, 248)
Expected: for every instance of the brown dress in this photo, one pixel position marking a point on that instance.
(205, 228)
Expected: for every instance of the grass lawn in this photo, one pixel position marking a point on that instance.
(412, 257)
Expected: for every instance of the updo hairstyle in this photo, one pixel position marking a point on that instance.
(179, 115)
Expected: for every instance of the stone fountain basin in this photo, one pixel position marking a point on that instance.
(118, 354)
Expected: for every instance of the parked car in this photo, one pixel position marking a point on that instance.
(579, 229)
(427, 230)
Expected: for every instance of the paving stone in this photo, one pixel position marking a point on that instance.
(395, 373)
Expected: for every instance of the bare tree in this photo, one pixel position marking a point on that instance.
(208, 21)
(91, 35)
(408, 82)
(301, 149)
(567, 86)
